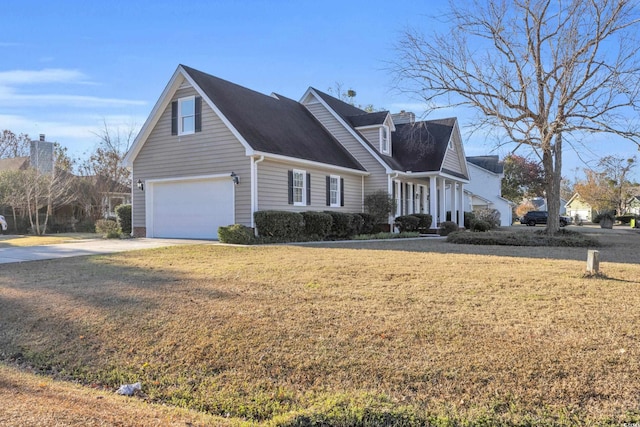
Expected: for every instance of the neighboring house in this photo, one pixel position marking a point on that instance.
(540, 204)
(213, 153)
(111, 195)
(484, 190)
(577, 206)
(633, 205)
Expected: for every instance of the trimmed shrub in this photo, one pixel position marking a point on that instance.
(368, 223)
(123, 213)
(425, 221)
(341, 227)
(491, 216)
(108, 228)
(480, 225)
(379, 205)
(469, 217)
(357, 224)
(237, 234)
(447, 227)
(600, 216)
(564, 238)
(317, 225)
(407, 223)
(280, 225)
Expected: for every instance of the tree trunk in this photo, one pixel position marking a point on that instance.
(552, 162)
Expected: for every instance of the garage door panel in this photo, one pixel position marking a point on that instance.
(191, 209)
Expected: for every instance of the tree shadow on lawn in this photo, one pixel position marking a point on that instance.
(57, 315)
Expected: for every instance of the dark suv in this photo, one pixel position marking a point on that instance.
(540, 217)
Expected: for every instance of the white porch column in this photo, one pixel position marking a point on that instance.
(411, 199)
(398, 185)
(433, 198)
(461, 204)
(453, 201)
(443, 200)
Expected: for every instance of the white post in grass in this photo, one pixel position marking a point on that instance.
(593, 261)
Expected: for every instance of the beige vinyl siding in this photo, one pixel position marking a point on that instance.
(452, 158)
(273, 188)
(213, 151)
(373, 136)
(377, 180)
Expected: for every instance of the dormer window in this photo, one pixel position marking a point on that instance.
(384, 140)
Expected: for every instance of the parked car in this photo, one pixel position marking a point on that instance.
(532, 218)
(3, 224)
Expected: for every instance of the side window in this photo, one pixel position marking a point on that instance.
(299, 187)
(384, 140)
(335, 191)
(186, 115)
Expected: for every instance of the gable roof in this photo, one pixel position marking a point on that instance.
(417, 147)
(491, 163)
(14, 164)
(273, 124)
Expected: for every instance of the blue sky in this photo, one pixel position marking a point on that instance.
(67, 66)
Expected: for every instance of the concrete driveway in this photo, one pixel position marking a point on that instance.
(87, 247)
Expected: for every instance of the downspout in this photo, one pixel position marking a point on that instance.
(254, 187)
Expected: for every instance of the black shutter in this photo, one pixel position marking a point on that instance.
(174, 118)
(198, 117)
(290, 187)
(328, 190)
(341, 192)
(308, 189)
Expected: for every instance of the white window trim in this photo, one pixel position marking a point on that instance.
(382, 131)
(337, 203)
(303, 202)
(180, 122)
(452, 147)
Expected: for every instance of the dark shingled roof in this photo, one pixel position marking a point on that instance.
(276, 125)
(490, 163)
(368, 119)
(421, 146)
(416, 147)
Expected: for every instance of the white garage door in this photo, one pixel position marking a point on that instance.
(190, 208)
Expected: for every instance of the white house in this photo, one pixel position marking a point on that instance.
(484, 189)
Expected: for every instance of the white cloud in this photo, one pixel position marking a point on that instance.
(47, 75)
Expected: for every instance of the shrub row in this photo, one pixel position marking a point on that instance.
(413, 222)
(565, 238)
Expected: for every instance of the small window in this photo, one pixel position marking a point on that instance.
(384, 140)
(334, 190)
(451, 146)
(299, 187)
(187, 115)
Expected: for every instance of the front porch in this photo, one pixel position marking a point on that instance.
(436, 195)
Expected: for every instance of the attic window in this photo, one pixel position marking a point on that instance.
(186, 115)
(451, 146)
(384, 140)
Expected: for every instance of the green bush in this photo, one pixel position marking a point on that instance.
(343, 225)
(236, 234)
(108, 228)
(480, 225)
(425, 221)
(368, 223)
(626, 219)
(86, 226)
(468, 219)
(282, 225)
(123, 213)
(317, 225)
(491, 216)
(379, 205)
(357, 224)
(407, 223)
(447, 227)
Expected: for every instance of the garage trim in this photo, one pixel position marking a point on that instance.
(149, 187)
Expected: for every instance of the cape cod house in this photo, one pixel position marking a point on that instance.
(213, 153)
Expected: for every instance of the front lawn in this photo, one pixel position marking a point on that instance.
(292, 335)
(48, 239)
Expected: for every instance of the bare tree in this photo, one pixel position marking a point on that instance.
(536, 71)
(12, 145)
(104, 165)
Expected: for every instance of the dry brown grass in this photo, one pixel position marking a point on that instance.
(260, 332)
(29, 240)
